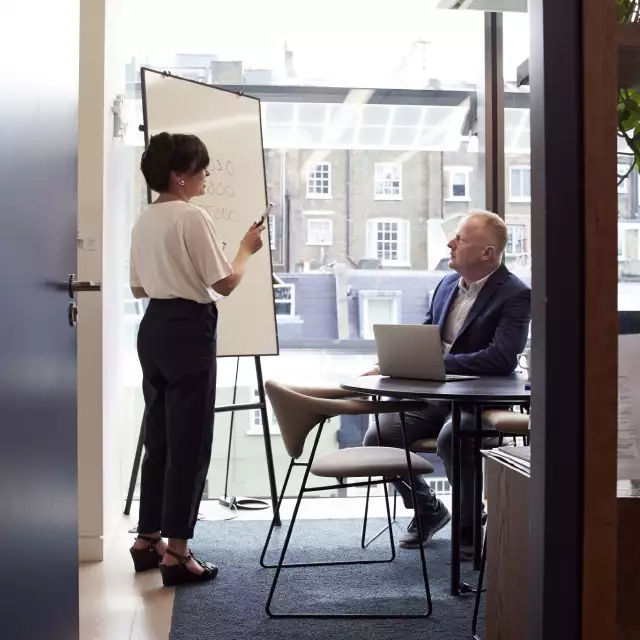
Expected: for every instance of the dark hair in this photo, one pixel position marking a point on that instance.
(172, 152)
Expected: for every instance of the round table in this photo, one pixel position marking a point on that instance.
(483, 391)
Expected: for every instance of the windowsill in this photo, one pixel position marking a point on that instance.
(378, 196)
(515, 199)
(257, 431)
(319, 244)
(319, 196)
(396, 263)
(289, 319)
(457, 199)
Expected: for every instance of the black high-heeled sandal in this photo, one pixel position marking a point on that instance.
(146, 559)
(177, 574)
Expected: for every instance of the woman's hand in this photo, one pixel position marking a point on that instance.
(252, 241)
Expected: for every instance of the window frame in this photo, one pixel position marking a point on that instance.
(623, 227)
(404, 226)
(378, 181)
(623, 187)
(311, 241)
(312, 172)
(255, 424)
(365, 296)
(514, 254)
(519, 167)
(271, 222)
(292, 288)
(464, 170)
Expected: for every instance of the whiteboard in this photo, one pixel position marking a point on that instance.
(230, 126)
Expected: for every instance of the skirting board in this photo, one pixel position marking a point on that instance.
(90, 549)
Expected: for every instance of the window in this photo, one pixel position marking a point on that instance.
(285, 300)
(272, 231)
(623, 187)
(520, 184)
(255, 426)
(458, 183)
(388, 241)
(319, 181)
(320, 232)
(388, 181)
(628, 241)
(377, 307)
(515, 239)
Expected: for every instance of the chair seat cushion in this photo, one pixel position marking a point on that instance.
(507, 421)
(362, 462)
(425, 445)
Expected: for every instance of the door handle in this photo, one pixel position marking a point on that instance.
(82, 285)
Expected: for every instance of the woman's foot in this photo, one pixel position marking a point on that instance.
(191, 564)
(147, 551)
(177, 569)
(145, 542)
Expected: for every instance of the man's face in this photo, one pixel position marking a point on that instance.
(469, 246)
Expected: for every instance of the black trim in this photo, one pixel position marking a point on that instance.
(331, 95)
(558, 290)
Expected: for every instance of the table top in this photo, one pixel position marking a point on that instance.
(482, 390)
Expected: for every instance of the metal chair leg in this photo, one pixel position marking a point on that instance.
(414, 500)
(364, 543)
(275, 519)
(281, 565)
(476, 607)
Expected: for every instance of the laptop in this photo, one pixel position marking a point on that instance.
(412, 351)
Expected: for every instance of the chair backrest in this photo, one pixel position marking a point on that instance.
(299, 409)
(296, 414)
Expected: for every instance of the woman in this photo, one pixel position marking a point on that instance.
(177, 261)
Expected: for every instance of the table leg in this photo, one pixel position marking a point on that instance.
(477, 490)
(455, 499)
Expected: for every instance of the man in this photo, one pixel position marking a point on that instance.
(483, 312)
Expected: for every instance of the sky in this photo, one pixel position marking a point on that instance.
(334, 42)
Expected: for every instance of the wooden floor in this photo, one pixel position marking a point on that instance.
(117, 604)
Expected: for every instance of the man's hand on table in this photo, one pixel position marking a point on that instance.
(372, 372)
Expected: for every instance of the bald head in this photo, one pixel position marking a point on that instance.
(478, 246)
(492, 227)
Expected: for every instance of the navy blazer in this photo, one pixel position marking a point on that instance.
(495, 330)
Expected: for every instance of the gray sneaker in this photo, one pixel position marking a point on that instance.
(431, 524)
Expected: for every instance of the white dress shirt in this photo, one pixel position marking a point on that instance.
(176, 253)
(460, 307)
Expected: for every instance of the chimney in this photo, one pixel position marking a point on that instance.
(288, 63)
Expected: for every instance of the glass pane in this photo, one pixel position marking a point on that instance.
(323, 136)
(517, 148)
(381, 310)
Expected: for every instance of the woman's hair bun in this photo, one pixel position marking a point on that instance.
(169, 152)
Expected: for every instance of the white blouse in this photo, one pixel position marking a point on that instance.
(176, 253)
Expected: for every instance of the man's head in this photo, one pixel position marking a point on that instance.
(477, 248)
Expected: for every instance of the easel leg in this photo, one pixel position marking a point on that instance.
(267, 443)
(134, 471)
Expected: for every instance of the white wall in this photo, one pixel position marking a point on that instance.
(103, 173)
(90, 207)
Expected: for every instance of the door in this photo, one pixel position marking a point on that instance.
(38, 221)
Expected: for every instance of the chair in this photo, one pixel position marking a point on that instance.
(507, 423)
(424, 445)
(298, 411)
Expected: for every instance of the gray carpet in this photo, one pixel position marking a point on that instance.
(232, 606)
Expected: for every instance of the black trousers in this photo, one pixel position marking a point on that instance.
(177, 351)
